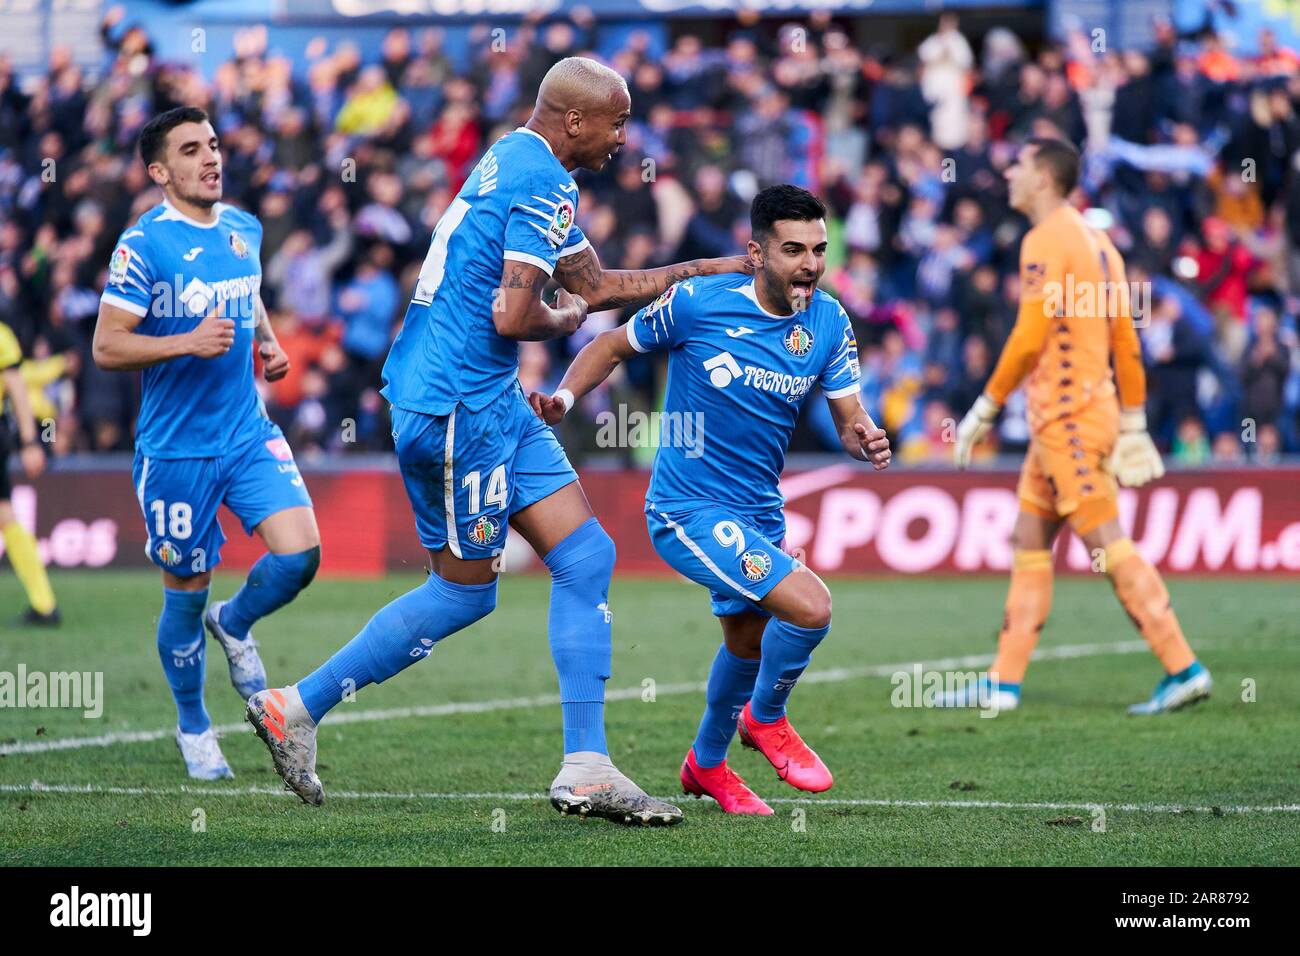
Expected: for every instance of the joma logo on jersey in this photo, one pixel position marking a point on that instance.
(484, 530)
(798, 341)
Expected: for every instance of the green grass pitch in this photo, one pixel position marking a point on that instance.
(913, 785)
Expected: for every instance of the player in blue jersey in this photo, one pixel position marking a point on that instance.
(182, 304)
(476, 461)
(744, 354)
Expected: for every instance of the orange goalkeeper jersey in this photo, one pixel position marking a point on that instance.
(1075, 314)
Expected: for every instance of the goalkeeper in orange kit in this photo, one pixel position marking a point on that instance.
(1075, 315)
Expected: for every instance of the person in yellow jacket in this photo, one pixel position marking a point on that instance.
(20, 545)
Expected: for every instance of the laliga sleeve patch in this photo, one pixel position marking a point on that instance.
(557, 233)
(118, 264)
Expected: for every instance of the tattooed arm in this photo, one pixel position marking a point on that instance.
(275, 363)
(518, 311)
(581, 274)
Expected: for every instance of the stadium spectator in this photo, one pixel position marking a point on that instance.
(907, 149)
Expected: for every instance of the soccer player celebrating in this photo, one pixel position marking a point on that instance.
(473, 457)
(1074, 317)
(19, 543)
(744, 353)
(183, 304)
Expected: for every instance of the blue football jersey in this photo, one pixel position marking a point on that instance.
(518, 204)
(172, 271)
(746, 374)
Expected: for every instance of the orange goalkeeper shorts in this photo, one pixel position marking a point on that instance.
(1064, 474)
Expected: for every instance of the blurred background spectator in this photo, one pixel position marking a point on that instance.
(1192, 156)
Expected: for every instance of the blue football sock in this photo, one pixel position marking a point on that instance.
(579, 628)
(787, 650)
(402, 633)
(180, 648)
(273, 582)
(731, 681)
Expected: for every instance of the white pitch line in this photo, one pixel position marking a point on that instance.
(831, 676)
(36, 787)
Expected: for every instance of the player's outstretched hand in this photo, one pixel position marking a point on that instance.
(549, 408)
(574, 310)
(275, 364)
(213, 336)
(875, 444)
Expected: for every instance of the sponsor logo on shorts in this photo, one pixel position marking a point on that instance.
(798, 341)
(755, 565)
(280, 449)
(168, 554)
(484, 530)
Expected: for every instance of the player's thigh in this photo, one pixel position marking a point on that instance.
(547, 504)
(266, 492)
(722, 550)
(801, 599)
(178, 499)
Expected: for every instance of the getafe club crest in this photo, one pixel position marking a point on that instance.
(238, 246)
(755, 565)
(558, 231)
(798, 341)
(168, 554)
(484, 530)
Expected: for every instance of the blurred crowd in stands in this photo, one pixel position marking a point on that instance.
(1192, 161)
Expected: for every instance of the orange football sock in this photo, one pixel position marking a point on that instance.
(1142, 592)
(1029, 601)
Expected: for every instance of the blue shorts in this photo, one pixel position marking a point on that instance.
(738, 557)
(179, 498)
(466, 473)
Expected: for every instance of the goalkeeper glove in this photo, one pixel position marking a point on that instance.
(972, 429)
(1135, 460)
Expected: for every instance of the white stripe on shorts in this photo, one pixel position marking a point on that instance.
(449, 485)
(699, 553)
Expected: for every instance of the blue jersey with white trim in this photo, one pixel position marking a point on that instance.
(518, 204)
(172, 271)
(737, 378)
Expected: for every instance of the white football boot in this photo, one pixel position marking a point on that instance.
(246, 670)
(203, 757)
(1177, 691)
(985, 694)
(589, 785)
(282, 722)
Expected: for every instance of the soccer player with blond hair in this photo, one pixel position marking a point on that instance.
(1075, 316)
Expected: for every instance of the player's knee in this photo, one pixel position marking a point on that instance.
(299, 569)
(588, 553)
(813, 610)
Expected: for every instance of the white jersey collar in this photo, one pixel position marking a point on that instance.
(531, 132)
(170, 212)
